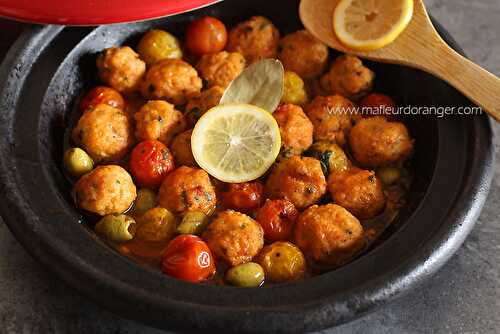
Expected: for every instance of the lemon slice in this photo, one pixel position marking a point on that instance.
(236, 142)
(367, 25)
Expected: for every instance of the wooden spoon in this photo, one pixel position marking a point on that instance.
(419, 46)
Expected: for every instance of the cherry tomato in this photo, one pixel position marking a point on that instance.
(277, 218)
(102, 95)
(243, 197)
(377, 105)
(206, 35)
(150, 162)
(187, 257)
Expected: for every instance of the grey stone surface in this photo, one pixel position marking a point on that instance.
(464, 297)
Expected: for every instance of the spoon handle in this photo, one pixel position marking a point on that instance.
(479, 85)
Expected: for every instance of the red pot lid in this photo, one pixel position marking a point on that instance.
(94, 12)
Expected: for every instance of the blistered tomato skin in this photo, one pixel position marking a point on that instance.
(376, 104)
(206, 35)
(150, 162)
(243, 197)
(102, 95)
(277, 218)
(188, 258)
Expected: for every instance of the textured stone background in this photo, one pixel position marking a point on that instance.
(464, 297)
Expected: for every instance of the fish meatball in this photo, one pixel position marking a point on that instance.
(173, 80)
(105, 190)
(329, 235)
(331, 117)
(200, 104)
(377, 142)
(187, 189)
(296, 129)
(303, 54)
(104, 132)
(158, 120)
(219, 69)
(256, 39)
(348, 77)
(121, 68)
(332, 157)
(181, 149)
(359, 191)
(298, 179)
(234, 237)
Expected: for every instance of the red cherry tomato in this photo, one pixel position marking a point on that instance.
(150, 162)
(277, 218)
(376, 104)
(102, 95)
(243, 197)
(206, 35)
(187, 257)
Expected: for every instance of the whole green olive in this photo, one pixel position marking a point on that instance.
(117, 228)
(389, 175)
(157, 44)
(146, 199)
(247, 275)
(157, 225)
(77, 162)
(193, 223)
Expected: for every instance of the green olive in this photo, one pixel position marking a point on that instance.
(118, 228)
(332, 157)
(157, 44)
(77, 162)
(389, 175)
(193, 223)
(248, 274)
(146, 199)
(157, 225)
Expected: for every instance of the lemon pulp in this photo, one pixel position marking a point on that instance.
(367, 25)
(236, 142)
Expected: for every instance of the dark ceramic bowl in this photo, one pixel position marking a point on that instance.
(46, 71)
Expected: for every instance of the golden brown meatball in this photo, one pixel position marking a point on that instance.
(331, 117)
(104, 132)
(234, 237)
(173, 80)
(359, 191)
(296, 129)
(255, 39)
(181, 149)
(303, 54)
(377, 142)
(348, 77)
(159, 120)
(332, 157)
(105, 190)
(298, 179)
(187, 189)
(219, 69)
(121, 68)
(198, 105)
(328, 235)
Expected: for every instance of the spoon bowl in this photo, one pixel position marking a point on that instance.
(419, 46)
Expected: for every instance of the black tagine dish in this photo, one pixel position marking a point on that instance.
(44, 76)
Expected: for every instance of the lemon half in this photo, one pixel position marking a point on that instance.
(367, 25)
(236, 142)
